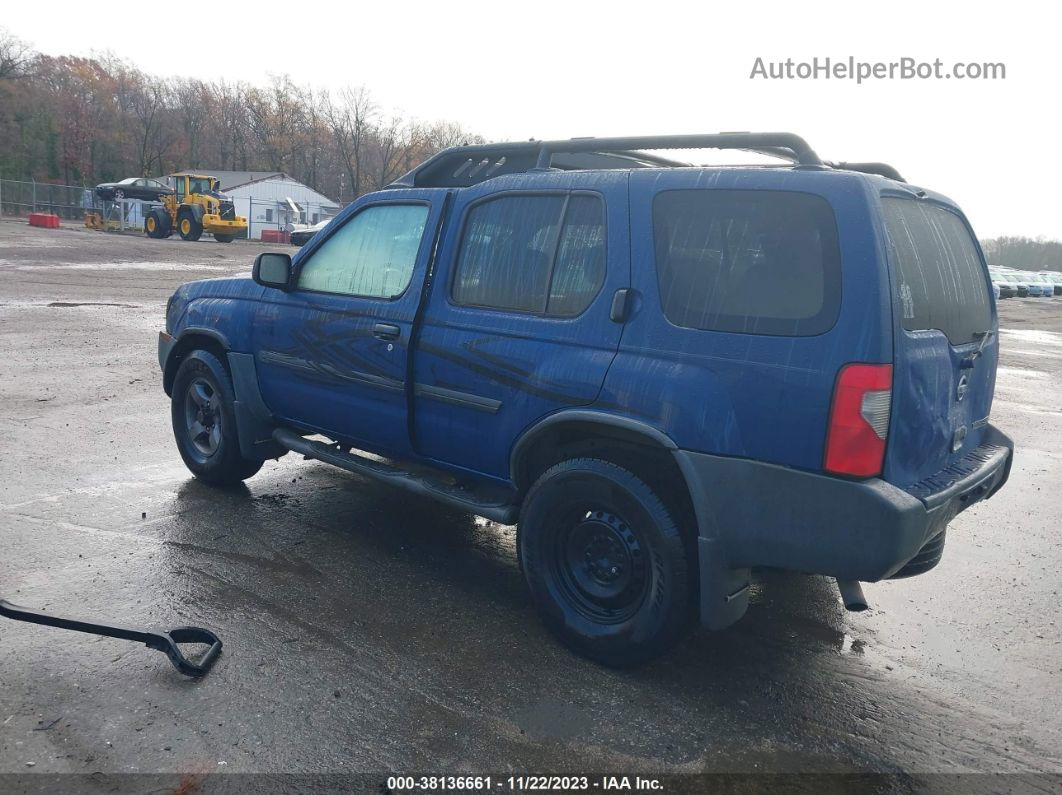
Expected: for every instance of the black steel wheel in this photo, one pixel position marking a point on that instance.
(605, 561)
(204, 421)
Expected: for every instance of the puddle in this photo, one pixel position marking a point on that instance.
(119, 266)
(64, 304)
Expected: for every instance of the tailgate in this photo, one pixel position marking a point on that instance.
(946, 340)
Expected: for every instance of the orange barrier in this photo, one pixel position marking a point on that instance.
(275, 236)
(45, 220)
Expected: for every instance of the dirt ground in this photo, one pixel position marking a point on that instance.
(367, 631)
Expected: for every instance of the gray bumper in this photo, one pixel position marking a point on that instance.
(756, 514)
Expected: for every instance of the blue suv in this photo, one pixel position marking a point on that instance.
(666, 375)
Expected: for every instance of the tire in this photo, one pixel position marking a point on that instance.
(188, 227)
(224, 238)
(606, 564)
(119, 195)
(157, 224)
(204, 422)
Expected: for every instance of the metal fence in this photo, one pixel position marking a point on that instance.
(70, 202)
(66, 201)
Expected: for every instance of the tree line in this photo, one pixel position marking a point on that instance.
(81, 121)
(1024, 253)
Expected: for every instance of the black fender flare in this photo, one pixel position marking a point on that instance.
(724, 591)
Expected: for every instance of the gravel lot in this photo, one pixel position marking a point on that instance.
(370, 631)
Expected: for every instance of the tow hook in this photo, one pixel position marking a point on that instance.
(852, 595)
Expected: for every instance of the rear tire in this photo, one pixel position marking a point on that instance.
(204, 421)
(188, 227)
(224, 238)
(157, 224)
(607, 566)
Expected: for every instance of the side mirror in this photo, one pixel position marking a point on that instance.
(273, 270)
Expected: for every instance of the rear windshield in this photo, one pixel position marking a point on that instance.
(942, 283)
(756, 262)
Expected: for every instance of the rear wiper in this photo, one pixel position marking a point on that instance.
(969, 360)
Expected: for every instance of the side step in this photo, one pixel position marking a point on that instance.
(493, 506)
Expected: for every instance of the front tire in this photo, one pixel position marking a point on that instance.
(188, 227)
(204, 422)
(224, 238)
(607, 566)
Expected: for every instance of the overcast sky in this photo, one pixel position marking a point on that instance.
(557, 70)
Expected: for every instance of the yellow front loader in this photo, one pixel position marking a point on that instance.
(195, 206)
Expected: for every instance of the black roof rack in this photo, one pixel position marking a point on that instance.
(463, 166)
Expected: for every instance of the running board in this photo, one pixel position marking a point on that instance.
(499, 511)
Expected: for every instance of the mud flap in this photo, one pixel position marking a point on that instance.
(724, 591)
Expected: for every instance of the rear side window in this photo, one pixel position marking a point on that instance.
(941, 280)
(756, 262)
(534, 253)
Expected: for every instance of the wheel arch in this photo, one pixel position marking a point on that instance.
(560, 435)
(194, 339)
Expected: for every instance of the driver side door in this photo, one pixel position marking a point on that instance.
(332, 353)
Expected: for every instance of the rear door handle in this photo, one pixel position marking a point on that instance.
(386, 331)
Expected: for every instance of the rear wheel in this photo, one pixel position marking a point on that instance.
(157, 224)
(188, 227)
(204, 421)
(224, 238)
(605, 561)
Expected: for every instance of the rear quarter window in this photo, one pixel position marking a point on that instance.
(939, 275)
(754, 262)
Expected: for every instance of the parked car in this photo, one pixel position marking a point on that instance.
(1047, 286)
(666, 376)
(1001, 284)
(1055, 278)
(141, 188)
(1036, 287)
(1020, 286)
(302, 236)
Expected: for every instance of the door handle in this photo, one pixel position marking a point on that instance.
(386, 331)
(621, 305)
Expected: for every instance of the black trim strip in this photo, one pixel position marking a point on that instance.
(455, 398)
(331, 371)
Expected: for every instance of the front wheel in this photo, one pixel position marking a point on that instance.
(204, 422)
(607, 566)
(188, 227)
(223, 238)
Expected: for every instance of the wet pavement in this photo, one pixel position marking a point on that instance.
(369, 630)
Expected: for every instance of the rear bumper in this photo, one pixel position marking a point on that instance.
(765, 515)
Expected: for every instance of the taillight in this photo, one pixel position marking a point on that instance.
(859, 420)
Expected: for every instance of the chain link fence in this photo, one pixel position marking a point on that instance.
(66, 201)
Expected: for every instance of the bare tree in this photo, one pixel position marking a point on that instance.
(350, 119)
(16, 56)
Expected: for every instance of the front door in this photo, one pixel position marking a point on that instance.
(332, 353)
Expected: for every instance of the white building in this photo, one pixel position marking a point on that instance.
(271, 199)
